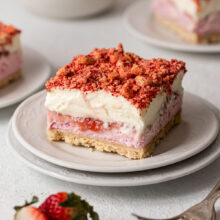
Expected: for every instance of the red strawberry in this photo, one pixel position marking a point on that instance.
(28, 212)
(64, 206)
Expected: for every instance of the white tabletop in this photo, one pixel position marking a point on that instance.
(59, 41)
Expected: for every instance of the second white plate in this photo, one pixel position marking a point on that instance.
(198, 129)
(140, 22)
(35, 72)
(147, 177)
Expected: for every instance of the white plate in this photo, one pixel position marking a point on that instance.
(67, 8)
(140, 22)
(36, 71)
(159, 175)
(186, 140)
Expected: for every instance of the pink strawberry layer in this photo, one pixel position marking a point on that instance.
(10, 64)
(116, 133)
(209, 24)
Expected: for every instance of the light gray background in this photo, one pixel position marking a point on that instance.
(59, 41)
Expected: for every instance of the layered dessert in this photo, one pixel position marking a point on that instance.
(115, 101)
(10, 54)
(197, 21)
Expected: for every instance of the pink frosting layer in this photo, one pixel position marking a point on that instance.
(168, 10)
(117, 135)
(10, 64)
(209, 24)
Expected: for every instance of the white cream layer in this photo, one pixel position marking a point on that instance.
(103, 106)
(190, 7)
(14, 46)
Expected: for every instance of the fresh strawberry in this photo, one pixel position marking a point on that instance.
(64, 206)
(27, 212)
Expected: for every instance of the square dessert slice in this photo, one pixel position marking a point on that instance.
(10, 54)
(196, 21)
(115, 101)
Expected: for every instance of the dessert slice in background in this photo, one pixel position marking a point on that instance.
(196, 21)
(115, 101)
(10, 54)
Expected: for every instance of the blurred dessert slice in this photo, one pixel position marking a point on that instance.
(196, 21)
(10, 54)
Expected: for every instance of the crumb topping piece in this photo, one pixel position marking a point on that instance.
(7, 33)
(119, 73)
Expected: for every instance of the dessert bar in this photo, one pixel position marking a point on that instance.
(10, 54)
(196, 21)
(115, 101)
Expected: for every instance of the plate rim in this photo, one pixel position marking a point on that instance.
(119, 183)
(100, 169)
(45, 77)
(185, 47)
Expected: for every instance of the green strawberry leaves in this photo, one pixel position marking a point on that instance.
(34, 200)
(83, 207)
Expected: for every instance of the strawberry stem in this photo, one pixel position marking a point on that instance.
(34, 200)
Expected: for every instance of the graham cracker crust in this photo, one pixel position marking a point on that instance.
(101, 145)
(13, 77)
(191, 37)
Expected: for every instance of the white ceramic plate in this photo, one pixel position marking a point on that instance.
(186, 140)
(139, 21)
(159, 175)
(36, 71)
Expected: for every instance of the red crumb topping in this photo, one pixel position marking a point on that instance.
(7, 33)
(120, 73)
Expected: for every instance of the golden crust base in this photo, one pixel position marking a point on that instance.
(13, 77)
(101, 145)
(191, 37)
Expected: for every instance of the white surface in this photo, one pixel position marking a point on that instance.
(141, 24)
(67, 8)
(35, 72)
(173, 149)
(159, 175)
(18, 182)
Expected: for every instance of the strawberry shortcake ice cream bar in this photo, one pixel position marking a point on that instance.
(197, 21)
(115, 101)
(10, 54)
